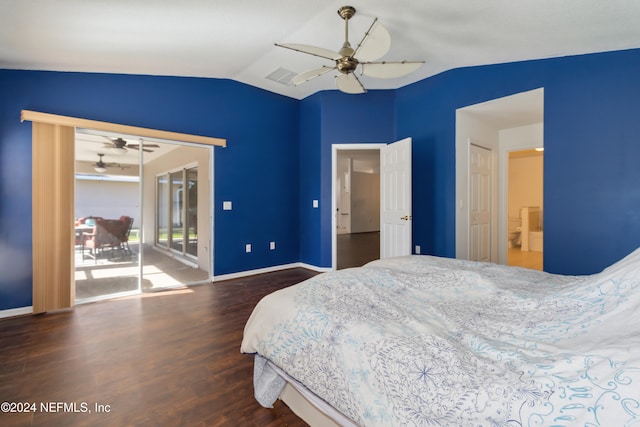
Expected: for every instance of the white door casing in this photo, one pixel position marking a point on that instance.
(335, 148)
(481, 170)
(395, 199)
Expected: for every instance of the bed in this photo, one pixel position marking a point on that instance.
(430, 341)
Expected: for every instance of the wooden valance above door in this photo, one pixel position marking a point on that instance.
(53, 198)
(74, 122)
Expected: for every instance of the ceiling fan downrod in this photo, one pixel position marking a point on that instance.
(347, 63)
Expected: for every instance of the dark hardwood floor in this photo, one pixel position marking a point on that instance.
(357, 249)
(161, 359)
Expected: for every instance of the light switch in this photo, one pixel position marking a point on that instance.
(315, 203)
(226, 206)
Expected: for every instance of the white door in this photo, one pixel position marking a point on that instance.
(395, 199)
(480, 204)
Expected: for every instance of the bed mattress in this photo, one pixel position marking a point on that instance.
(423, 340)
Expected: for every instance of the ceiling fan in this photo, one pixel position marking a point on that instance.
(101, 167)
(375, 43)
(120, 145)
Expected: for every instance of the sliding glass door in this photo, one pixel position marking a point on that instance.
(177, 211)
(180, 214)
(107, 217)
(139, 228)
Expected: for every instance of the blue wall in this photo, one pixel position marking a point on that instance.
(258, 171)
(592, 153)
(329, 118)
(279, 155)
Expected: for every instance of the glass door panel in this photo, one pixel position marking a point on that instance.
(107, 218)
(162, 211)
(192, 212)
(176, 194)
(182, 205)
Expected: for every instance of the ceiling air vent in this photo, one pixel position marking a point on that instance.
(282, 76)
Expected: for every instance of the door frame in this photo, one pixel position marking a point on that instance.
(508, 112)
(334, 170)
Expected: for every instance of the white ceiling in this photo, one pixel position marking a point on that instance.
(521, 109)
(235, 39)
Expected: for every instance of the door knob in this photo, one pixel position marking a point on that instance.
(406, 218)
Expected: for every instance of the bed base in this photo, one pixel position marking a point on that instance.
(300, 406)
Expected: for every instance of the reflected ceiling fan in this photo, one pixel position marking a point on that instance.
(121, 145)
(100, 166)
(375, 43)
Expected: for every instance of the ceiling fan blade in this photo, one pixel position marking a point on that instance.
(375, 43)
(312, 50)
(311, 74)
(389, 70)
(349, 83)
(137, 147)
(145, 144)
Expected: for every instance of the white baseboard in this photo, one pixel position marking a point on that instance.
(12, 312)
(269, 270)
(313, 267)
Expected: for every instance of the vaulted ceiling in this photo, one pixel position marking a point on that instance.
(235, 39)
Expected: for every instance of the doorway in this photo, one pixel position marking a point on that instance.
(505, 124)
(121, 247)
(393, 195)
(525, 209)
(357, 213)
(53, 188)
(355, 204)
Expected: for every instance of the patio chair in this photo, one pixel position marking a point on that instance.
(106, 234)
(127, 223)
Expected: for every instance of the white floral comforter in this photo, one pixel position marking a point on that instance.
(430, 341)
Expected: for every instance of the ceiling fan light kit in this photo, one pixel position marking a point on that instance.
(374, 44)
(100, 166)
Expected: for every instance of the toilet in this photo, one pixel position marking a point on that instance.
(515, 238)
(514, 232)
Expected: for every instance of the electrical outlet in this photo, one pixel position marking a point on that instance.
(247, 247)
(226, 206)
(272, 245)
(417, 250)
(315, 203)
